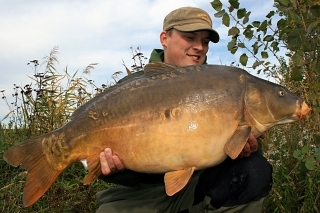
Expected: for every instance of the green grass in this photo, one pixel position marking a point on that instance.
(67, 194)
(295, 187)
(37, 108)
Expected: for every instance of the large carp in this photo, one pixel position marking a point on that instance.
(171, 120)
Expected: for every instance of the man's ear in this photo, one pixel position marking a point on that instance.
(163, 38)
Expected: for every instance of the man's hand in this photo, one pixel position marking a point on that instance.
(110, 163)
(251, 146)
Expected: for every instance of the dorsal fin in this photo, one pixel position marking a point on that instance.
(155, 68)
(151, 69)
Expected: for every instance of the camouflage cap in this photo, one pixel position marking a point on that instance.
(189, 19)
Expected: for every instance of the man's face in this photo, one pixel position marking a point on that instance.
(185, 48)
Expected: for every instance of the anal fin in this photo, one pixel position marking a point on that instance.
(177, 180)
(238, 140)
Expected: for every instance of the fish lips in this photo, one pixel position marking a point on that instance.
(301, 111)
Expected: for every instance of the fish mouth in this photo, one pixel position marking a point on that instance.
(303, 110)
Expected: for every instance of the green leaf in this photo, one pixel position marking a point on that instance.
(296, 74)
(246, 18)
(268, 38)
(295, 17)
(304, 150)
(257, 63)
(232, 46)
(297, 154)
(226, 20)
(270, 14)
(274, 45)
(264, 54)
(233, 31)
(312, 26)
(241, 45)
(302, 169)
(282, 23)
(256, 24)
(217, 5)
(310, 163)
(284, 2)
(316, 109)
(263, 26)
(248, 33)
(241, 13)
(244, 59)
(267, 64)
(317, 153)
(259, 38)
(314, 96)
(220, 14)
(315, 10)
(231, 9)
(298, 58)
(294, 39)
(234, 3)
(234, 50)
(255, 47)
(317, 86)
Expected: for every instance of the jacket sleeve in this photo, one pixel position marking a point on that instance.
(131, 178)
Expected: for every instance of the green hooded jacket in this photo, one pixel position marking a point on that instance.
(157, 55)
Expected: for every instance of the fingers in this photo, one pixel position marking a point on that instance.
(263, 136)
(110, 163)
(118, 164)
(250, 147)
(245, 151)
(253, 143)
(104, 158)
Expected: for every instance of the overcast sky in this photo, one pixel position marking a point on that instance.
(93, 31)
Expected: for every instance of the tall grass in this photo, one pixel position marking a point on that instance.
(39, 107)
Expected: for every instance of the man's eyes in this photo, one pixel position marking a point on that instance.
(190, 37)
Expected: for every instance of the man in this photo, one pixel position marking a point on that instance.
(233, 186)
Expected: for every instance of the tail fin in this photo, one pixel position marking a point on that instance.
(41, 174)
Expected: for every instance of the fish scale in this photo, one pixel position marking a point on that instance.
(171, 120)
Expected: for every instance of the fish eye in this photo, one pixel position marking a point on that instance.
(281, 92)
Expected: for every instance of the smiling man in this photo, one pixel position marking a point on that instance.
(239, 185)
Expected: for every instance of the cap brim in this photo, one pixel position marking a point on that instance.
(214, 36)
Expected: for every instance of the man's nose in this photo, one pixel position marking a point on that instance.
(198, 45)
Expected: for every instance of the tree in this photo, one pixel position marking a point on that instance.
(285, 46)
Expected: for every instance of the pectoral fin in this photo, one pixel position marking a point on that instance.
(235, 144)
(176, 180)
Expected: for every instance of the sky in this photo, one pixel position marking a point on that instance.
(94, 31)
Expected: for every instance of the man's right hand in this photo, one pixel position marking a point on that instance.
(110, 163)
